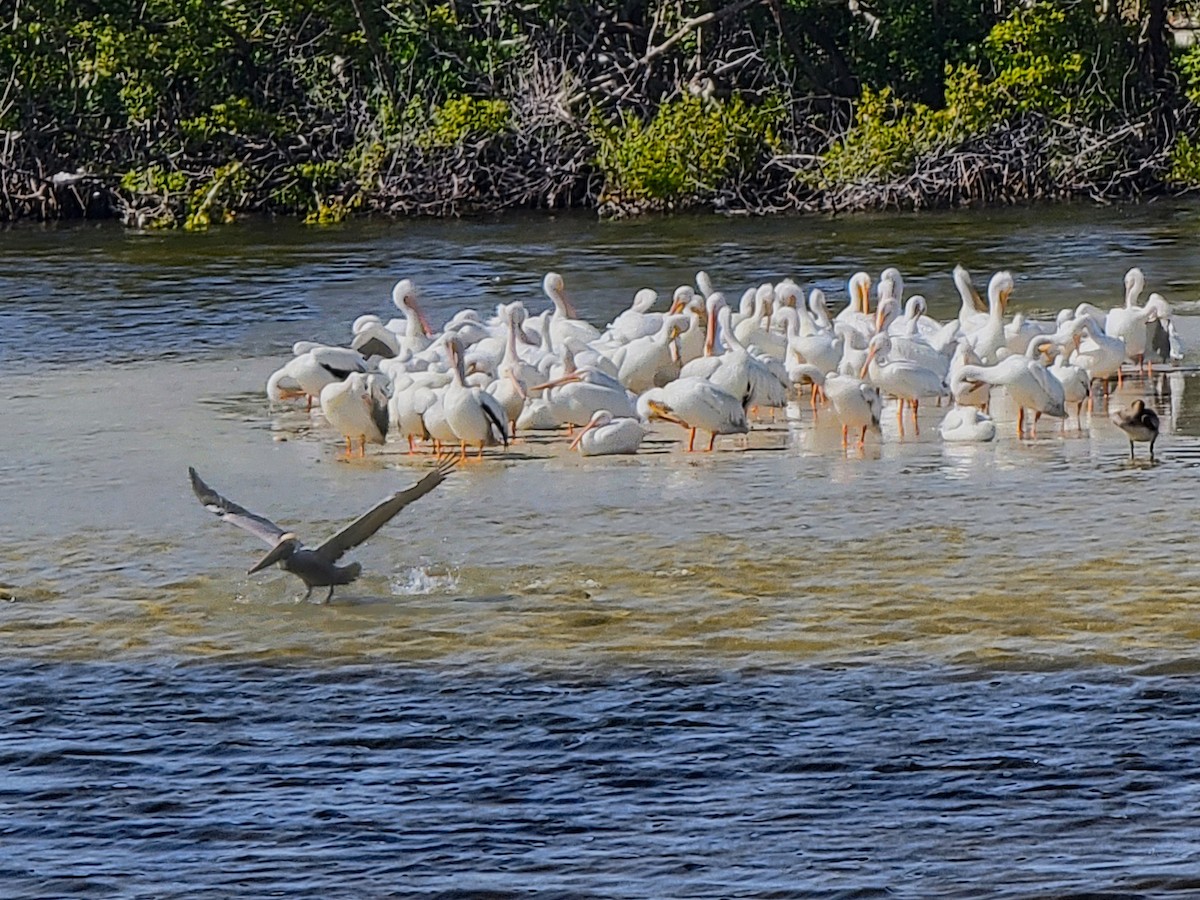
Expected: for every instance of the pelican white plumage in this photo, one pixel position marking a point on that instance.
(578, 395)
(314, 367)
(1027, 382)
(696, 404)
(966, 424)
(809, 343)
(1098, 353)
(856, 404)
(989, 339)
(736, 371)
(357, 408)
(608, 435)
(905, 380)
(858, 314)
(413, 330)
(564, 321)
(1077, 386)
(371, 338)
(472, 413)
(636, 321)
(972, 311)
(1128, 321)
(652, 361)
(977, 394)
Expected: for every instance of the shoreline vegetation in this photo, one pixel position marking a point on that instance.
(188, 113)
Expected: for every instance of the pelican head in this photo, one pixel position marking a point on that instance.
(644, 299)
(404, 297)
(859, 288)
(1135, 283)
(999, 289)
(599, 417)
(288, 544)
(555, 288)
(681, 298)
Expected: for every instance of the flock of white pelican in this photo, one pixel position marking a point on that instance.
(712, 368)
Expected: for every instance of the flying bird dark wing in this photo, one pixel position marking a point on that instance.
(374, 519)
(230, 512)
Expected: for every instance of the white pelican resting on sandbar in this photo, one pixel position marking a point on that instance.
(606, 435)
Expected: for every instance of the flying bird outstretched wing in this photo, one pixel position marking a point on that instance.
(230, 512)
(375, 518)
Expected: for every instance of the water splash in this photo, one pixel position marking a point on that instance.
(419, 580)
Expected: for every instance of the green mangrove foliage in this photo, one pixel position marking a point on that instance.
(1045, 61)
(687, 152)
(189, 113)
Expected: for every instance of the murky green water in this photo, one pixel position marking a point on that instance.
(780, 669)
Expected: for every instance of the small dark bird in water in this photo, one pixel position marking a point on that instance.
(1139, 424)
(316, 568)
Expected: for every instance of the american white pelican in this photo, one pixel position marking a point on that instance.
(1098, 353)
(988, 339)
(652, 361)
(411, 399)
(858, 313)
(809, 344)
(472, 413)
(413, 330)
(905, 380)
(1128, 321)
(564, 321)
(357, 408)
(636, 321)
(907, 343)
(966, 424)
(306, 374)
(1027, 382)
(856, 404)
(1139, 424)
(606, 435)
(371, 338)
(972, 311)
(1077, 386)
(737, 371)
(513, 374)
(977, 394)
(579, 394)
(696, 404)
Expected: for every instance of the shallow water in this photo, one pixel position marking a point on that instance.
(779, 669)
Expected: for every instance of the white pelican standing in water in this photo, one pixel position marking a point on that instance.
(357, 408)
(905, 380)
(1028, 383)
(474, 415)
(606, 435)
(696, 404)
(857, 405)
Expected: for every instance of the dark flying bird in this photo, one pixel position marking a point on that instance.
(316, 568)
(1138, 423)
